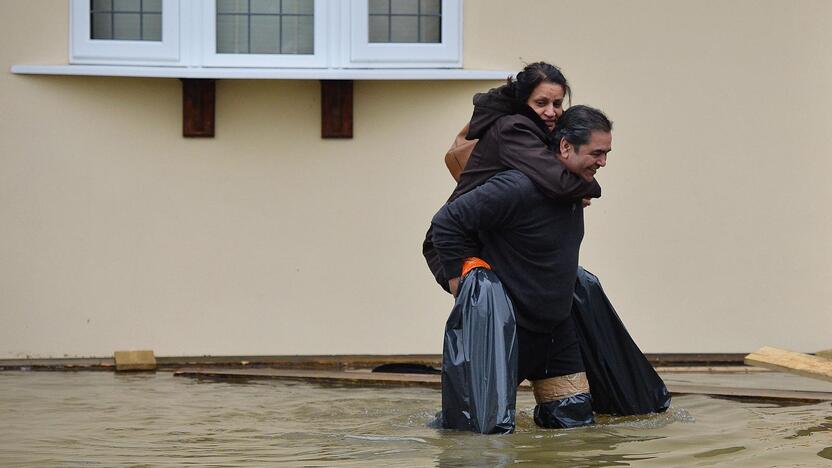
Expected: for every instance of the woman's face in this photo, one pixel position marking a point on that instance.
(546, 101)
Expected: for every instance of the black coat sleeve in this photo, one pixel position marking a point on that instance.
(520, 148)
(489, 206)
(432, 259)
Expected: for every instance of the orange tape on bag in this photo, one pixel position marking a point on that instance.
(473, 262)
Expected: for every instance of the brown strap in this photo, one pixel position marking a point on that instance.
(556, 388)
(459, 152)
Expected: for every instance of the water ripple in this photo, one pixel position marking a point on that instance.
(101, 419)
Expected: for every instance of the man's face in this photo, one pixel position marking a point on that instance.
(586, 159)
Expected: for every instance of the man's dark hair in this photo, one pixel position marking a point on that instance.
(521, 86)
(578, 123)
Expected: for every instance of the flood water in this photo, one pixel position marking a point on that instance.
(104, 419)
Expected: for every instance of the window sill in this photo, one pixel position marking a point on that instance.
(262, 73)
(198, 88)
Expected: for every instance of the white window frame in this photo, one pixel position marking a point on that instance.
(341, 41)
(84, 50)
(318, 59)
(447, 54)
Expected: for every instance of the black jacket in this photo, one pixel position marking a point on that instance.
(510, 136)
(530, 241)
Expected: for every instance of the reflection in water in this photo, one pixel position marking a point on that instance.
(102, 419)
(581, 448)
(718, 452)
(586, 446)
(822, 427)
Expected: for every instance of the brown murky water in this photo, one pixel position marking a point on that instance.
(103, 419)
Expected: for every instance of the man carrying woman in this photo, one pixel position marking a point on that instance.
(527, 223)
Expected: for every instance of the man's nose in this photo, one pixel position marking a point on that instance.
(602, 161)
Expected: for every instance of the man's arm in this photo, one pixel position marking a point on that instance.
(521, 149)
(488, 206)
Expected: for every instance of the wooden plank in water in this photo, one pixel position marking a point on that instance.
(316, 376)
(750, 393)
(134, 361)
(687, 362)
(711, 370)
(434, 381)
(789, 361)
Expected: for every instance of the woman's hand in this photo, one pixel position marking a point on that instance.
(586, 202)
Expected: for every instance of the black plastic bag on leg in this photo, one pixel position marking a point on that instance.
(621, 379)
(565, 413)
(479, 358)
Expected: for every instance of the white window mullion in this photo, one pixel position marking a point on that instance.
(192, 32)
(338, 45)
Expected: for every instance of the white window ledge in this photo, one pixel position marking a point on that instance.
(263, 73)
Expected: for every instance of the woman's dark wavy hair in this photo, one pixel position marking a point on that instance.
(521, 86)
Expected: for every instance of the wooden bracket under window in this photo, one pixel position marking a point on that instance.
(198, 99)
(336, 108)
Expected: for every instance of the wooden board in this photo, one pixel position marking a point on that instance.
(198, 108)
(789, 361)
(317, 376)
(750, 393)
(336, 108)
(434, 381)
(134, 361)
(685, 362)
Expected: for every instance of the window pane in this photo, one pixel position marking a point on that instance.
(299, 7)
(379, 7)
(306, 39)
(408, 21)
(297, 35)
(265, 34)
(232, 6)
(127, 5)
(404, 29)
(430, 29)
(407, 7)
(152, 6)
(152, 27)
(102, 26)
(267, 29)
(127, 26)
(102, 5)
(232, 34)
(265, 6)
(379, 29)
(126, 20)
(431, 7)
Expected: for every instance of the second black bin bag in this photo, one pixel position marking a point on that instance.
(479, 358)
(621, 379)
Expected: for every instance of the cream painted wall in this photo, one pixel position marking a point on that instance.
(713, 234)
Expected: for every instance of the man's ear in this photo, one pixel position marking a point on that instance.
(565, 146)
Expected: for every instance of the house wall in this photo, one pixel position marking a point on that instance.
(713, 234)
